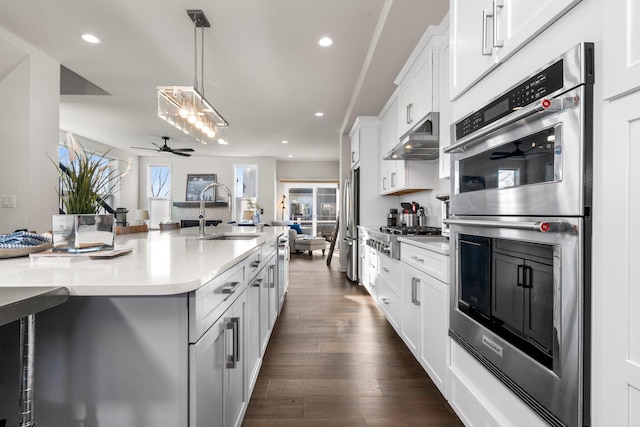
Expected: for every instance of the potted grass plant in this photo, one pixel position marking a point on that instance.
(86, 181)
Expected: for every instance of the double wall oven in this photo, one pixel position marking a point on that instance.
(520, 228)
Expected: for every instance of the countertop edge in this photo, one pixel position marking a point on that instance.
(20, 301)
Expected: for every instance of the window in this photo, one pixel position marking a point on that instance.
(314, 206)
(508, 178)
(245, 192)
(159, 182)
(108, 166)
(159, 194)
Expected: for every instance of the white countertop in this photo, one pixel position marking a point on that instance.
(432, 243)
(161, 263)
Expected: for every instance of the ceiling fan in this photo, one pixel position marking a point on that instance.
(515, 153)
(166, 149)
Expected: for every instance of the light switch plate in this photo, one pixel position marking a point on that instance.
(9, 201)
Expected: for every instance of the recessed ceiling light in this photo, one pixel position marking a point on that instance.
(285, 142)
(290, 156)
(222, 141)
(325, 41)
(90, 38)
(319, 114)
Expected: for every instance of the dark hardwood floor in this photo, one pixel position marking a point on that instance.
(334, 360)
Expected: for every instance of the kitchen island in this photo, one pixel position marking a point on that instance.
(147, 338)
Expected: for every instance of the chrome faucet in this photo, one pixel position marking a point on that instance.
(201, 217)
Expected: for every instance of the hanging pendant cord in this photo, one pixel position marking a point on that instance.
(202, 61)
(195, 54)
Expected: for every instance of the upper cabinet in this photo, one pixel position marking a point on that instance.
(621, 47)
(486, 33)
(415, 93)
(355, 148)
(446, 111)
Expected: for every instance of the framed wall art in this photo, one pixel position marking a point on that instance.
(196, 183)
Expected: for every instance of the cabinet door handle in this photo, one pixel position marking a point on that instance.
(272, 276)
(527, 280)
(393, 181)
(414, 290)
(353, 155)
(385, 269)
(496, 5)
(384, 182)
(417, 259)
(486, 14)
(409, 113)
(520, 281)
(230, 287)
(384, 301)
(234, 357)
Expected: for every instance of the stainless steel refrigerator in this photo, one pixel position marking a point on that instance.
(351, 203)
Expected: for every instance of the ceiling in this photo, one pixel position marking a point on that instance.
(263, 68)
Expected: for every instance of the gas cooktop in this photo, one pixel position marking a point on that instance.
(411, 231)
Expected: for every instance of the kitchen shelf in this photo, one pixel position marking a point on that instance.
(197, 204)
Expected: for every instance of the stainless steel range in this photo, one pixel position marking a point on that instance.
(385, 241)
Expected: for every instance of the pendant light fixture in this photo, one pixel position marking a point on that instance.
(185, 107)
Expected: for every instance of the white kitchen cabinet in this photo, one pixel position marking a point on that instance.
(416, 90)
(389, 302)
(388, 139)
(407, 176)
(621, 47)
(486, 33)
(446, 111)
(616, 282)
(425, 309)
(218, 396)
(355, 148)
(370, 271)
(411, 309)
(254, 329)
(434, 340)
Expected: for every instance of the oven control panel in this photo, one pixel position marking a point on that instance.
(531, 90)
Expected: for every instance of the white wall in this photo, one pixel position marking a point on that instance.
(29, 121)
(223, 168)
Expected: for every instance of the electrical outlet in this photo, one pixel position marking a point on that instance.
(9, 201)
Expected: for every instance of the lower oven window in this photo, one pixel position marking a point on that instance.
(528, 160)
(508, 286)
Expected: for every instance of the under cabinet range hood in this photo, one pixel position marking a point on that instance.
(421, 142)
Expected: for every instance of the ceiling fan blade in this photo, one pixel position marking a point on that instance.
(183, 149)
(144, 148)
(177, 153)
(159, 146)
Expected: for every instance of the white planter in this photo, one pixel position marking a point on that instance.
(82, 232)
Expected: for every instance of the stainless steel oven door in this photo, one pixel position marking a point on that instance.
(534, 166)
(517, 306)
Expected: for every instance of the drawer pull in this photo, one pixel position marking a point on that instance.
(255, 264)
(256, 284)
(230, 288)
(384, 301)
(417, 259)
(385, 269)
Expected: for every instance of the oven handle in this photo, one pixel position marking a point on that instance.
(540, 226)
(544, 106)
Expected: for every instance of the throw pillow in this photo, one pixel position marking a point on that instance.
(296, 227)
